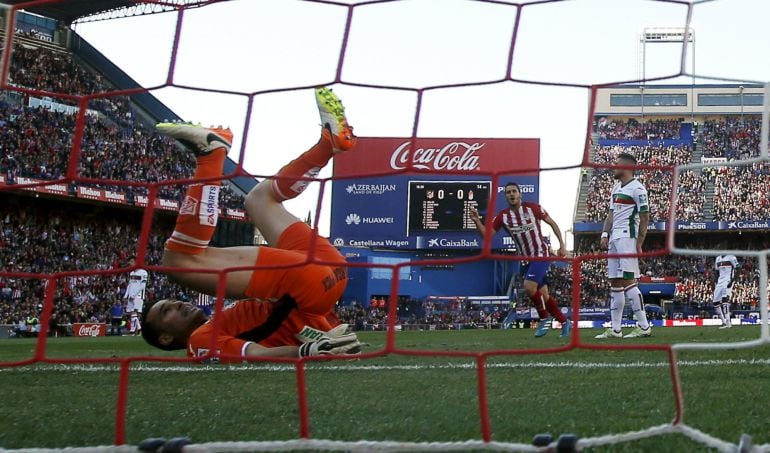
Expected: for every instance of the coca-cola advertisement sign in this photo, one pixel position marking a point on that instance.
(397, 193)
(451, 155)
(88, 329)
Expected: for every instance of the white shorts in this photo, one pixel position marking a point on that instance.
(722, 291)
(625, 268)
(134, 303)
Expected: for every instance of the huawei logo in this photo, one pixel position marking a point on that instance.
(353, 219)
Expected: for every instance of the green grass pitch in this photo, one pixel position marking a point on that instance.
(398, 397)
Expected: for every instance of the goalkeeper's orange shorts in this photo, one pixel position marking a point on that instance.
(314, 287)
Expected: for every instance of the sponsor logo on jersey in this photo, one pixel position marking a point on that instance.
(209, 201)
(189, 206)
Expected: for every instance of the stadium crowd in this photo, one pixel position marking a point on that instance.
(658, 182)
(732, 137)
(741, 193)
(695, 274)
(52, 239)
(633, 129)
(36, 141)
(426, 314)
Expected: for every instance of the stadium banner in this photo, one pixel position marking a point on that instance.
(90, 193)
(625, 142)
(722, 225)
(108, 196)
(54, 189)
(648, 279)
(48, 104)
(115, 197)
(89, 329)
(419, 210)
(160, 203)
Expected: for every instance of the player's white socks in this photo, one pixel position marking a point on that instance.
(637, 303)
(718, 311)
(616, 307)
(726, 314)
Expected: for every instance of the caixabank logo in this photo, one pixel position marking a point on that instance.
(445, 243)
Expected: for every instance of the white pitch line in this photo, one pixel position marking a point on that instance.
(416, 367)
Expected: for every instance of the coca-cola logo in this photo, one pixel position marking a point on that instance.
(89, 330)
(452, 156)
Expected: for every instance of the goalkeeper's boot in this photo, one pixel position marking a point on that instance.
(565, 329)
(725, 326)
(542, 328)
(638, 332)
(609, 333)
(197, 139)
(335, 126)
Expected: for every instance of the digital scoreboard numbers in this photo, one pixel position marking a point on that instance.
(445, 205)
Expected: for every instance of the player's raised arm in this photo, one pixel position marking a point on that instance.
(476, 217)
(557, 231)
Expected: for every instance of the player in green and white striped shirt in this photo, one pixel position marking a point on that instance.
(624, 231)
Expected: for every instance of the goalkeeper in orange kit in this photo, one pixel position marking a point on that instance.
(291, 311)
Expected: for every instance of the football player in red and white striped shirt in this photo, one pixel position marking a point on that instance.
(521, 219)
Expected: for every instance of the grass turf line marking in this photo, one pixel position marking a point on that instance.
(419, 367)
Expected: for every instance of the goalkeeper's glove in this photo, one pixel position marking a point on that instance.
(730, 285)
(339, 344)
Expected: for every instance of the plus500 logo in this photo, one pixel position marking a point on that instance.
(525, 188)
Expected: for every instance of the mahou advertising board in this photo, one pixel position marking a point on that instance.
(425, 205)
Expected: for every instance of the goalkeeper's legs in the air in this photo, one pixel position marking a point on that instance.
(263, 203)
(188, 247)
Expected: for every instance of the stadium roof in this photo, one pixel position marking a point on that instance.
(69, 11)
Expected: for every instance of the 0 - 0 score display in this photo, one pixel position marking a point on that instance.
(445, 205)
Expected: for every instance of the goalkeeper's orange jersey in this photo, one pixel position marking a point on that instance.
(269, 324)
(304, 295)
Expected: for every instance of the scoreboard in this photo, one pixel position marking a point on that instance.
(445, 205)
(401, 193)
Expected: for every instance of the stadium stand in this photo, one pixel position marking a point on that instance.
(44, 237)
(731, 137)
(658, 182)
(633, 129)
(117, 144)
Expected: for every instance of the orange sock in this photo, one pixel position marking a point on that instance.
(308, 165)
(198, 214)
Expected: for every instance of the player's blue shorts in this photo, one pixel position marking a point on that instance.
(537, 271)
